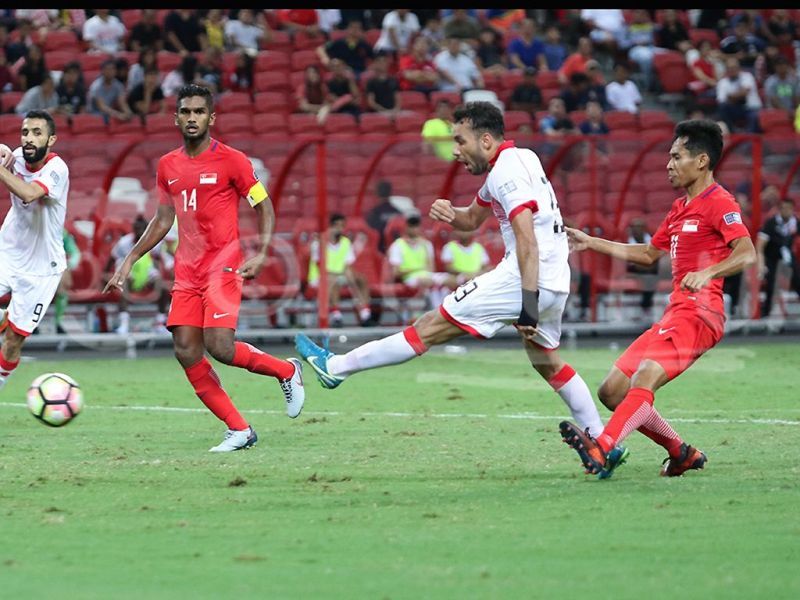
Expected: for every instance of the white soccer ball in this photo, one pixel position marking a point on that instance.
(55, 399)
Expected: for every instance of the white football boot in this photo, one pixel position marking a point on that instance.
(237, 440)
(293, 389)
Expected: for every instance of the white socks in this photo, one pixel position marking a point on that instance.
(576, 395)
(392, 350)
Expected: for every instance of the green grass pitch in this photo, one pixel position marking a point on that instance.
(444, 477)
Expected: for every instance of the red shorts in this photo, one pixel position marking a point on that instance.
(214, 305)
(683, 334)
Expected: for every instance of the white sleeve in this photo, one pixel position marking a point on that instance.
(394, 255)
(89, 30)
(483, 197)
(515, 190)
(54, 178)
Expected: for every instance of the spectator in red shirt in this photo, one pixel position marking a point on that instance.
(576, 62)
(296, 20)
(416, 71)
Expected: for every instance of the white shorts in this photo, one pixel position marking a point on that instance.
(484, 305)
(30, 297)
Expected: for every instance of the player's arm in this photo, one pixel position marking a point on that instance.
(259, 199)
(742, 256)
(157, 229)
(642, 254)
(465, 218)
(528, 260)
(27, 192)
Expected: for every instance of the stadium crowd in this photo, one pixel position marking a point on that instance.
(280, 72)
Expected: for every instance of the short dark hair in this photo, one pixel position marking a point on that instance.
(335, 217)
(702, 135)
(45, 116)
(192, 89)
(482, 116)
(413, 220)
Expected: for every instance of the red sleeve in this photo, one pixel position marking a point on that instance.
(242, 174)
(727, 219)
(660, 238)
(161, 183)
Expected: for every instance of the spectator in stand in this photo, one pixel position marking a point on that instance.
(121, 70)
(398, 28)
(33, 70)
(783, 31)
(556, 123)
(526, 95)
(597, 83)
(147, 32)
(382, 87)
(579, 92)
(8, 80)
(71, 90)
(184, 33)
(490, 55)
(705, 67)
(639, 43)
(43, 20)
(775, 247)
(18, 49)
(246, 32)
(328, 20)
(606, 27)
(104, 32)
(312, 94)
(73, 20)
(412, 259)
(433, 32)
(782, 89)
(646, 274)
(461, 25)
(380, 214)
(437, 132)
(526, 49)
(671, 34)
(148, 97)
(184, 74)
(61, 299)
(300, 20)
(148, 58)
(416, 71)
(623, 93)
(555, 51)
(343, 93)
(757, 25)
(742, 44)
(214, 25)
(458, 71)
(464, 257)
(212, 69)
(576, 62)
(352, 49)
(738, 101)
(339, 259)
(241, 78)
(594, 123)
(106, 95)
(39, 97)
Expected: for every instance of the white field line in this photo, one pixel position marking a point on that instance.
(405, 415)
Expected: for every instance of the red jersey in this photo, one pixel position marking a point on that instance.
(205, 191)
(697, 235)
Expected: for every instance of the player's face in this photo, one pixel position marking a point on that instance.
(193, 118)
(35, 140)
(683, 168)
(469, 148)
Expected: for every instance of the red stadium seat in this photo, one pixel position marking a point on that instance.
(303, 41)
(409, 122)
(229, 124)
(270, 123)
(130, 17)
(516, 120)
(272, 81)
(340, 123)
(775, 120)
(279, 41)
(56, 59)
(132, 128)
(697, 35)
(453, 97)
(159, 123)
(87, 124)
(656, 120)
(272, 61)
(271, 102)
(413, 100)
(230, 102)
(168, 61)
(302, 123)
(61, 39)
(10, 125)
(547, 80)
(304, 58)
(671, 71)
(376, 123)
(92, 61)
(621, 119)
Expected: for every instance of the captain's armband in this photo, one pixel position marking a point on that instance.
(257, 194)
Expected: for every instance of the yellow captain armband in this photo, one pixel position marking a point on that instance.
(257, 194)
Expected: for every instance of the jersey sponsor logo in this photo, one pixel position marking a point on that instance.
(208, 178)
(691, 225)
(732, 217)
(507, 188)
(171, 181)
(219, 315)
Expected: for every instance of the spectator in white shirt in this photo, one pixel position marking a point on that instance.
(104, 32)
(606, 26)
(245, 33)
(459, 72)
(738, 101)
(397, 29)
(623, 93)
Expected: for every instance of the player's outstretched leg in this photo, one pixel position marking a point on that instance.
(293, 389)
(236, 440)
(317, 357)
(590, 453)
(689, 458)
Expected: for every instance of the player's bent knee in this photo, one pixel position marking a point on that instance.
(434, 329)
(221, 351)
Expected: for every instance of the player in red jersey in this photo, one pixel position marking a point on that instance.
(706, 241)
(202, 183)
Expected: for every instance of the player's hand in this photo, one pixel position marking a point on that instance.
(252, 266)
(118, 278)
(6, 156)
(528, 332)
(695, 281)
(578, 240)
(442, 210)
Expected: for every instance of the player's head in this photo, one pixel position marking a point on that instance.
(37, 136)
(696, 150)
(478, 131)
(194, 113)
(787, 208)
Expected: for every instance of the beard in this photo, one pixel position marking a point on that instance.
(38, 155)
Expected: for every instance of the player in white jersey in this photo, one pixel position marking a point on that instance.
(528, 288)
(32, 255)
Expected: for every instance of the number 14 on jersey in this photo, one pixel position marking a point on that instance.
(189, 200)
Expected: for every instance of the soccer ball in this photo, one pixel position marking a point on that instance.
(55, 399)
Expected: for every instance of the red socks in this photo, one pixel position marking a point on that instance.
(254, 360)
(208, 388)
(6, 366)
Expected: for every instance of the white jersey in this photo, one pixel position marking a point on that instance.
(31, 239)
(517, 181)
